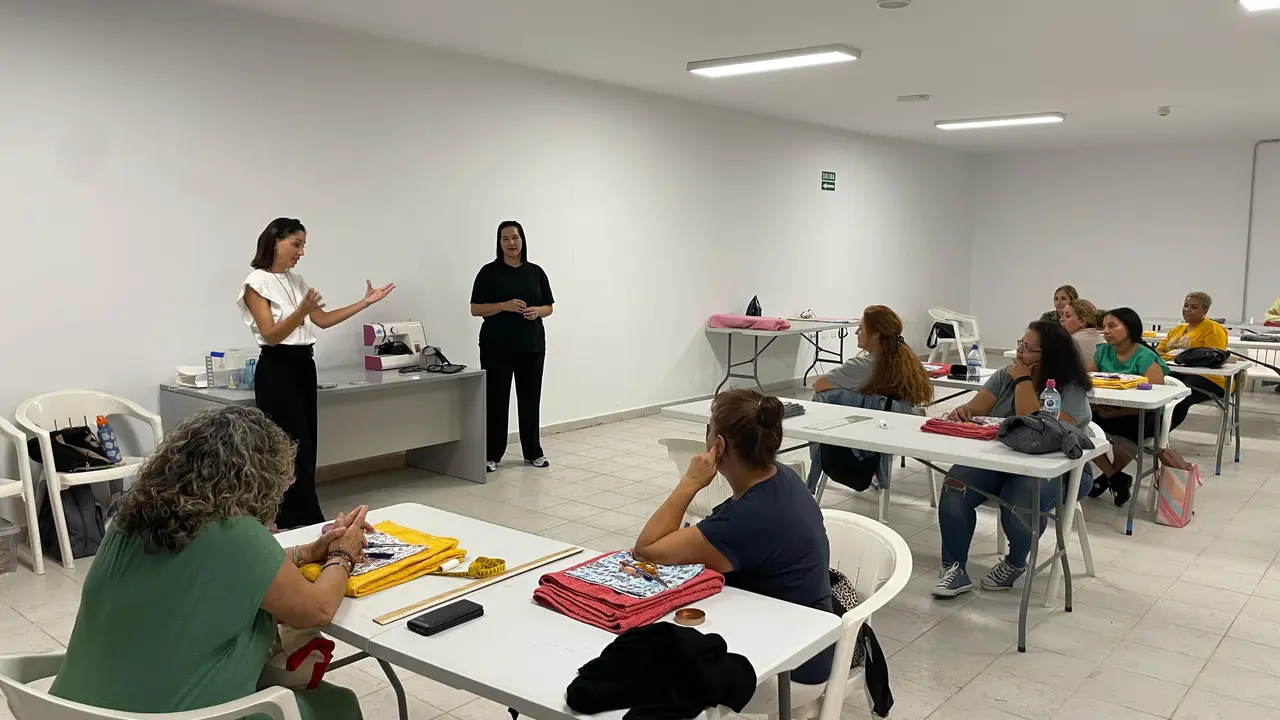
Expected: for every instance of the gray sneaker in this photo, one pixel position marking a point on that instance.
(953, 582)
(1002, 576)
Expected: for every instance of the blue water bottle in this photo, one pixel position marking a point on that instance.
(107, 437)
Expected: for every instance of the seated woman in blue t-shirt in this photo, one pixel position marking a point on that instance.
(1124, 352)
(768, 538)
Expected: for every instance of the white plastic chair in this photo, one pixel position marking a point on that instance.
(680, 452)
(26, 489)
(1082, 532)
(28, 703)
(965, 329)
(50, 411)
(878, 563)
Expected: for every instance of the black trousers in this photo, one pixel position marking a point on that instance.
(1199, 386)
(285, 389)
(526, 369)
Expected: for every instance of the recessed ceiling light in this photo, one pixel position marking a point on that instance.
(769, 62)
(894, 4)
(1004, 121)
(1256, 5)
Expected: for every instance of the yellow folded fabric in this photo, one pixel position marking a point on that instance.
(439, 551)
(1116, 381)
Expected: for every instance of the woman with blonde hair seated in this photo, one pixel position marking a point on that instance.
(1062, 297)
(179, 610)
(1081, 319)
(1196, 331)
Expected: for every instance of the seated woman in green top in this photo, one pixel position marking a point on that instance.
(1124, 352)
(179, 610)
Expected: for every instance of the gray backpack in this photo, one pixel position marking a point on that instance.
(84, 523)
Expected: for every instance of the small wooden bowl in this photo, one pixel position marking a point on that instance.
(690, 617)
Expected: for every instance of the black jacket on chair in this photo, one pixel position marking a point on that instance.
(663, 672)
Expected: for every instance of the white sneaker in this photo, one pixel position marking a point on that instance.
(491, 467)
(539, 462)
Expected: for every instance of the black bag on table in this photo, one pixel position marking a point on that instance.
(1202, 357)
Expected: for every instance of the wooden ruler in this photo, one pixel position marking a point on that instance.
(471, 587)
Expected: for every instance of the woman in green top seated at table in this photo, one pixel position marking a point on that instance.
(1125, 353)
(179, 610)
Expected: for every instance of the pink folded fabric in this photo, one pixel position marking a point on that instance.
(748, 322)
(610, 610)
(981, 428)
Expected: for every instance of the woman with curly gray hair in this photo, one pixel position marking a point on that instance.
(179, 609)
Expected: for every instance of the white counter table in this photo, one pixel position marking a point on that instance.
(438, 421)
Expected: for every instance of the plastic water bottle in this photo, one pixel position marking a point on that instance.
(1051, 400)
(107, 437)
(974, 372)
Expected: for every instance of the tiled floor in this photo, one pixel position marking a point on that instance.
(1178, 623)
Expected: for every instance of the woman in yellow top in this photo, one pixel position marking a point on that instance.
(1197, 331)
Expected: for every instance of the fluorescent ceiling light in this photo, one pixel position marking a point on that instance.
(1256, 5)
(769, 62)
(1005, 121)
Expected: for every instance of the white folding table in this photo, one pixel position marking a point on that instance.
(1152, 401)
(523, 655)
(1236, 375)
(803, 328)
(900, 434)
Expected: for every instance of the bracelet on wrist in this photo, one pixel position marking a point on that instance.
(338, 563)
(340, 553)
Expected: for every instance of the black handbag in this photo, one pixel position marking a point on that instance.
(753, 307)
(1202, 357)
(940, 331)
(75, 449)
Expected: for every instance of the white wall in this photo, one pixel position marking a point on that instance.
(1264, 251)
(145, 144)
(1139, 225)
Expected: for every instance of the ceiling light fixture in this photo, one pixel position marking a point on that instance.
(769, 62)
(1256, 5)
(894, 4)
(1004, 121)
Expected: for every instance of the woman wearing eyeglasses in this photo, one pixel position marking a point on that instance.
(1045, 353)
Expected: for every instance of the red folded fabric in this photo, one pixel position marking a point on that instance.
(934, 370)
(610, 610)
(981, 428)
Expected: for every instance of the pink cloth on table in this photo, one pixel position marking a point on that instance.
(610, 610)
(748, 322)
(983, 428)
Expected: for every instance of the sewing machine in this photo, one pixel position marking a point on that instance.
(393, 345)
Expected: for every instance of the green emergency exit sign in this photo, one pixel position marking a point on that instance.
(829, 181)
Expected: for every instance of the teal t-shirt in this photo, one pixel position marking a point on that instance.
(1104, 357)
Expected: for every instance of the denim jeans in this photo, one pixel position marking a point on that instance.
(958, 516)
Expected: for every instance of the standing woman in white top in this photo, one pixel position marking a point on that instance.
(276, 304)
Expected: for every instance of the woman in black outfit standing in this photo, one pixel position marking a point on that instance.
(513, 296)
(276, 304)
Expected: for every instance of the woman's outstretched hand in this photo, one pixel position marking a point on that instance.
(373, 294)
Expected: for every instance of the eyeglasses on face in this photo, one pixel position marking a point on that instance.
(1024, 347)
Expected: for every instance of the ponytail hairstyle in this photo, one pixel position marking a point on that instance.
(751, 425)
(898, 372)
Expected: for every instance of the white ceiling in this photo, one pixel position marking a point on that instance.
(1106, 63)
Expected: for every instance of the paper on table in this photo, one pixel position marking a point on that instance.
(832, 424)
